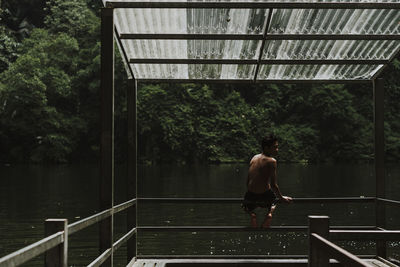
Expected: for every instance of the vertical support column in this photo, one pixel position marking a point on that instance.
(107, 130)
(57, 256)
(320, 226)
(132, 164)
(379, 94)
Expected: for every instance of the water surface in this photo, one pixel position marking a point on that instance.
(30, 194)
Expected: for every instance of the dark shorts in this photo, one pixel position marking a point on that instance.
(252, 200)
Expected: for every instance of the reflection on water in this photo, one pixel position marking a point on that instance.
(30, 194)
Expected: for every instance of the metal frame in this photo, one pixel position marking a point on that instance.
(106, 226)
(269, 36)
(58, 240)
(132, 135)
(254, 5)
(260, 61)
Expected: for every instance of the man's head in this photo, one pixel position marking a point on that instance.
(269, 145)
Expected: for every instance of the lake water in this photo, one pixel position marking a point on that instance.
(30, 194)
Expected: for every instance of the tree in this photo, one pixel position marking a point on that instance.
(39, 104)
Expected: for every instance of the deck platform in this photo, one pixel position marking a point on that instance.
(378, 262)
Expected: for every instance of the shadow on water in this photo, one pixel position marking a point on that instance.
(30, 194)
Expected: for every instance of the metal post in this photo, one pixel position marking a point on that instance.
(107, 130)
(379, 93)
(57, 256)
(132, 163)
(320, 226)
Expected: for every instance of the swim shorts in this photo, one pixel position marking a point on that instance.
(264, 200)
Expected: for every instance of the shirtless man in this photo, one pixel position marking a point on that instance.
(262, 187)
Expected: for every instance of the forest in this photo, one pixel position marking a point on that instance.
(49, 103)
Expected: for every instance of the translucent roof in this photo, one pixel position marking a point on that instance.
(316, 40)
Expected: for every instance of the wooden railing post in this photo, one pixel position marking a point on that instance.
(320, 226)
(132, 164)
(106, 183)
(57, 256)
(379, 145)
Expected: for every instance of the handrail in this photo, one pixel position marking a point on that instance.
(29, 252)
(390, 201)
(79, 225)
(124, 238)
(82, 224)
(24, 254)
(100, 259)
(343, 256)
(124, 205)
(237, 228)
(363, 235)
(221, 256)
(238, 200)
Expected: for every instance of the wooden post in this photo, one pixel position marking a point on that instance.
(320, 226)
(57, 256)
(379, 94)
(107, 130)
(132, 163)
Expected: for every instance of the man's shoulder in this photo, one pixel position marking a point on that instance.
(269, 162)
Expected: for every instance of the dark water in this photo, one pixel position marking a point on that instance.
(30, 194)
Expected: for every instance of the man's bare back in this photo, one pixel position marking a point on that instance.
(260, 172)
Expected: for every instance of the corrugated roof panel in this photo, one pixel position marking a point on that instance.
(317, 72)
(335, 21)
(193, 71)
(191, 49)
(251, 21)
(330, 49)
(205, 20)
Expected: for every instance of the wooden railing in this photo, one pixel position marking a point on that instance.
(55, 246)
(322, 250)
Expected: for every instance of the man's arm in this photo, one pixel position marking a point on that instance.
(274, 183)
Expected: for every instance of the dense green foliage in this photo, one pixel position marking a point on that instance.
(49, 102)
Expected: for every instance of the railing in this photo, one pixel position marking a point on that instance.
(55, 246)
(322, 250)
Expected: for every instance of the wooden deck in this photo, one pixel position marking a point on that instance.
(240, 263)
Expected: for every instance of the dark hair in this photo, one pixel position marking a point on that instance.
(268, 140)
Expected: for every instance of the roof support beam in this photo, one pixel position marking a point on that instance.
(190, 36)
(255, 5)
(247, 81)
(270, 36)
(260, 52)
(262, 62)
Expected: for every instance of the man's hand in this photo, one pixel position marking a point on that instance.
(286, 199)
